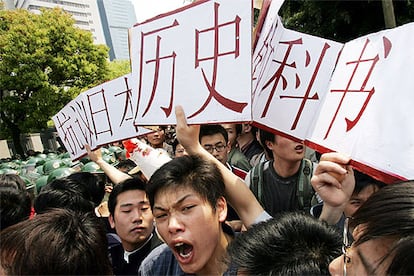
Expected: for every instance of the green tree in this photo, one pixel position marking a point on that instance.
(118, 68)
(341, 20)
(45, 61)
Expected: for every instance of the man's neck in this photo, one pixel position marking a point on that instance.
(216, 264)
(286, 168)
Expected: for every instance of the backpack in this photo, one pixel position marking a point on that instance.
(304, 190)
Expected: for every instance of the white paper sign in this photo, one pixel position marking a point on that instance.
(99, 116)
(198, 57)
(367, 110)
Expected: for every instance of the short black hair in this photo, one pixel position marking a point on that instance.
(290, 244)
(15, 206)
(207, 130)
(60, 242)
(191, 171)
(63, 193)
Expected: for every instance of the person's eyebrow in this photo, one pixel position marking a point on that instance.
(178, 202)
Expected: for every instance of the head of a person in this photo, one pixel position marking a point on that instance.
(93, 186)
(281, 147)
(365, 186)
(178, 149)
(15, 206)
(130, 213)
(233, 131)
(188, 203)
(215, 140)
(290, 244)
(12, 180)
(63, 193)
(60, 242)
(156, 139)
(378, 228)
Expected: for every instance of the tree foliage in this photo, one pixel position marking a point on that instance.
(339, 20)
(118, 68)
(44, 62)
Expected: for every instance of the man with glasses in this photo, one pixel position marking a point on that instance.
(214, 139)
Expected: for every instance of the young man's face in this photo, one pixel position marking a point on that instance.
(217, 141)
(190, 227)
(357, 200)
(232, 133)
(157, 138)
(287, 149)
(132, 219)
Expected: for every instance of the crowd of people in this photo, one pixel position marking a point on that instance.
(233, 200)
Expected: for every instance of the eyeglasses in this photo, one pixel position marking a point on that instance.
(218, 148)
(346, 244)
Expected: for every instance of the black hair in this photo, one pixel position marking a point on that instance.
(290, 244)
(93, 187)
(63, 193)
(60, 242)
(387, 213)
(207, 130)
(191, 171)
(15, 206)
(363, 180)
(266, 136)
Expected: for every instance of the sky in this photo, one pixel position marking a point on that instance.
(145, 9)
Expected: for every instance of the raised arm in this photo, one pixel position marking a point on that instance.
(238, 194)
(334, 182)
(115, 175)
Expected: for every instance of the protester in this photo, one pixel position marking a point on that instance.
(283, 183)
(365, 186)
(132, 219)
(379, 226)
(290, 244)
(188, 203)
(214, 139)
(178, 149)
(248, 143)
(157, 138)
(59, 242)
(235, 157)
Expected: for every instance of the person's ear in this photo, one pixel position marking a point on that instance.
(111, 221)
(221, 209)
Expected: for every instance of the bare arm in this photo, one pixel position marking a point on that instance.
(334, 193)
(113, 173)
(238, 194)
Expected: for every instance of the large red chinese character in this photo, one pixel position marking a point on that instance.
(157, 63)
(278, 76)
(211, 85)
(362, 90)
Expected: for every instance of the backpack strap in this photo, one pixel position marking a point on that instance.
(256, 180)
(304, 190)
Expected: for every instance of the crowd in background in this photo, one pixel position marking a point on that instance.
(233, 199)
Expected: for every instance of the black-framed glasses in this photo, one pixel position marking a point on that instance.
(218, 148)
(346, 244)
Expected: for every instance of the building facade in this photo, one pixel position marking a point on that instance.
(117, 17)
(85, 13)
